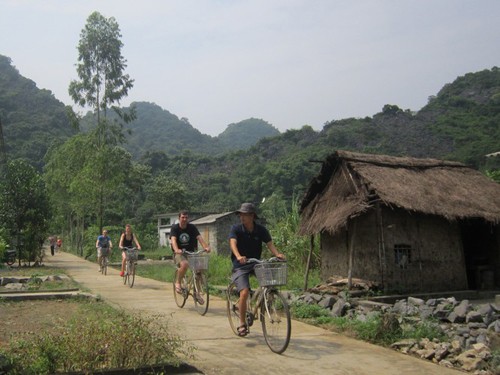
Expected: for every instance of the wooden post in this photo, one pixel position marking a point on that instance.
(308, 265)
(351, 255)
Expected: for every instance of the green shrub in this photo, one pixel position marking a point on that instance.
(95, 339)
(301, 310)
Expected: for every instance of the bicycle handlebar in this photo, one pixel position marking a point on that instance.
(129, 248)
(273, 259)
(193, 252)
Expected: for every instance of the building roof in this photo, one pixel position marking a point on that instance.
(350, 183)
(209, 219)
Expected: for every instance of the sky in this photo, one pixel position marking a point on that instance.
(288, 62)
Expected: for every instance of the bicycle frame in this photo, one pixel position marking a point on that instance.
(269, 306)
(130, 266)
(196, 285)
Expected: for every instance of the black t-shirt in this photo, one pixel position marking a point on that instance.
(186, 238)
(249, 243)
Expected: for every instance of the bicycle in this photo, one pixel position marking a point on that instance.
(266, 304)
(196, 284)
(104, 261)
(130, 265)
(10, 256)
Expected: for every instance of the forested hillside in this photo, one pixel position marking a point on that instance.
(32, 119)
(251, 160)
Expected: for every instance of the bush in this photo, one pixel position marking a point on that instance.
(95, 339)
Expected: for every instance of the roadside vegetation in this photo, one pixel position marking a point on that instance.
(36, 274)
(95, 338)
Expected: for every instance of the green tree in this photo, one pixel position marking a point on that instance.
(24, 208)
(102, 83)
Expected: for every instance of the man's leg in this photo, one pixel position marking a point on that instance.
(244, 293)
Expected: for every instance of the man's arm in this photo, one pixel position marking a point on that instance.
(233, 243)
(176, 249)
(272, 249)
(203, 243)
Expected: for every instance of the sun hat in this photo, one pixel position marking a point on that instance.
(247, 208)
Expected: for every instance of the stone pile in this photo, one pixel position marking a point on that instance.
(472, 330)
(24, 283)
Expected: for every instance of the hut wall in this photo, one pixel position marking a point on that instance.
(216, 234)
(406, 253)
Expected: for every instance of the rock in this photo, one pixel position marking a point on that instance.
(339, 308)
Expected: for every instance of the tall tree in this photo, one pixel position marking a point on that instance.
(102, 83)
(24, 208)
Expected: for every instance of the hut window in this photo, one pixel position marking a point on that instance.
(402, 255)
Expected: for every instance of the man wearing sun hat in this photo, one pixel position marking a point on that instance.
(245, 241)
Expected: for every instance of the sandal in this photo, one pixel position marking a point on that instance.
(242, 330)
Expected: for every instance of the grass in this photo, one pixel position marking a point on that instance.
(96, 338)
(219, 273)
(381, 329)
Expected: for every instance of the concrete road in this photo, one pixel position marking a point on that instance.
(312, 350)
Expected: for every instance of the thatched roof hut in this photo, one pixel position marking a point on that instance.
(444, 188)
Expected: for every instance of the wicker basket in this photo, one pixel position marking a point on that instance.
(132, 254)
(271, 274)
(198, 262)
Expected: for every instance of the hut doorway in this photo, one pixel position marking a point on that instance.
(478, 239)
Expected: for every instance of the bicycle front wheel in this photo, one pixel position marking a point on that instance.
(125, 275)
(131, 274)
(232, 305)
(104, 265)
(276, 322)
(180, 298)
(201, 294)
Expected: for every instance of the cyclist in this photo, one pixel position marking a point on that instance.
(185, 236)
(245, 241)
(127, 239)
(103, 244)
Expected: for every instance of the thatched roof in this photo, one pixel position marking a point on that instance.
(350, 183)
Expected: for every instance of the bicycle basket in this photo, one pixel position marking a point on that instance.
(132, 254)
(198, 262)
(271, 273)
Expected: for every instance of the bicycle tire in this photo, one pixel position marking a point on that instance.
(201, 289)
(180, 299)
(232, 301)
(104, 265)
(10, 261)
(125, 275)
(131, 274)
(276, 321)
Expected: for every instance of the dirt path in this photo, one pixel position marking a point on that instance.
(312, 350)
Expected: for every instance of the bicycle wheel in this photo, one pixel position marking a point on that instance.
(201, 294)
(232, 303)
(10, 260)
(131, 273)
(103, 265)
(180, 298)
(125, 275)
(275, 319)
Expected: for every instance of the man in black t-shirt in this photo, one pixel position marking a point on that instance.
(184, 236)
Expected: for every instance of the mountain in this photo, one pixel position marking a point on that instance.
(157, 130)
(246, 133)
(461, 122)
(33, 120)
